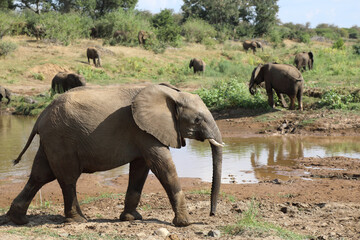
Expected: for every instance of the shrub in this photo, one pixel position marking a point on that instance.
(231, 93)
(356, 49)
(167, 30)
(197, 30)
(339, 44)
(7, 47)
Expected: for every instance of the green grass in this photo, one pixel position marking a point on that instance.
(251, 225)
(102, 196)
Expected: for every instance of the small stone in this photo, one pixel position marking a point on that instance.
(172, 237)
(214, 233)
(163, 232)
(284, 209)
(64, 234)
(141, 235)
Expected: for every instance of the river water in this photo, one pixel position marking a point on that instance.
(244, 159)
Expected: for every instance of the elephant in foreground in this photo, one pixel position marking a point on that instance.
(90, 130)
(303, 60)
(64, 81)
(252, 45)
(197, 64)
(283, 78)
(93, 53)
(5, 93)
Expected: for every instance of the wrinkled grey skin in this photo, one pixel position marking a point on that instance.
(64, 81)
(283, 78)
(252, 45)
(197, 64)
(303, 60)
(90, 130)
(5, 93)
(93, 54)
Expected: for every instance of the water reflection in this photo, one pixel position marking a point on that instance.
(244, 159)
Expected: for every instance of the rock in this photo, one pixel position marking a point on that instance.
(141, 235)
(214, 233)
(284, 209)
(163, 232)
(29, 100)
(172, 237)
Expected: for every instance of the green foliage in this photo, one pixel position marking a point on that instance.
(356, 49)
(339, 44)
(93, 74)
(167, 30)
(38, 76)
(7, 47)
(231, 93)
(334, 100)
(34, 107)
(197, 30)
(265, 19)
(127, 24)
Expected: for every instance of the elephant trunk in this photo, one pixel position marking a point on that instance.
(216, 181)
(251, 88)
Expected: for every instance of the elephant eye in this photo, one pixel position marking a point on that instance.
(198, 120)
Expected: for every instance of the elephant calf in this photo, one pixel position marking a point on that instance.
(92, 53)
(283, 78)
(64, 81)
(5, 93)
(197, 64)
(304, 59)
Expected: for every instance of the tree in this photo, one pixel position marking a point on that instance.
(6, 4)
(168, 30)
(105, 6)
(265, 16)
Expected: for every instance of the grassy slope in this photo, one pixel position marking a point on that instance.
(34, 64)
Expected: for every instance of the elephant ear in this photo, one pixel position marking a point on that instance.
(155, 112)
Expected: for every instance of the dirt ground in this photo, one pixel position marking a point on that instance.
(325, 207)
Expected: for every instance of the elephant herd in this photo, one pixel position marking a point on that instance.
(96, 129)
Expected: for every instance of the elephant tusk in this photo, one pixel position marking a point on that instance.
(214, 142)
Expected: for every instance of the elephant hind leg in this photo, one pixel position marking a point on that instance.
(299, 98)
(72, 208)
(40, 175)
(137, 177)
(292, 102)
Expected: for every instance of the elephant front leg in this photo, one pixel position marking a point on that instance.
(137, 176)
(281, 97)
(164, 169)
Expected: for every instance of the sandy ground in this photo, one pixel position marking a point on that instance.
(324, 206)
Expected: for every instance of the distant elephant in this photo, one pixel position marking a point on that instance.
(197, 64)
(94, 33)
(252, 45)
(121, 36)
(92, 53)
(304, 59)
(5, 93)
(39, 32)
(64, 81)
(283, 78)
(142, 37)
(92, 130)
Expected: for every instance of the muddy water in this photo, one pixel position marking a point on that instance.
(244, 159)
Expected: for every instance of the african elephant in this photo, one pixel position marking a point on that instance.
(304, 59)
(101, 129)
(252, 45)
(5, 93)
(283, 78)
(93, 53)
(121, 36)
(64, 81)
(197, 64)
(142, 37)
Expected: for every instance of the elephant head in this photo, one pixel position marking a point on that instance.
(256, 78)
(259, 45)
(170, 116)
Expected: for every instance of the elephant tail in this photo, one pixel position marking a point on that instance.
(31, 137)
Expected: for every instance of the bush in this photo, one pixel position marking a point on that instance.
(167, 30)
(7, 47)
(197, 30)
(339, 44)
(127, 24)
(356, 49)
(231, 93)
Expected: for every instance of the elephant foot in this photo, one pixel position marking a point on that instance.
(76, 218)
(181, 221)
(17, 217)
(130, 216)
